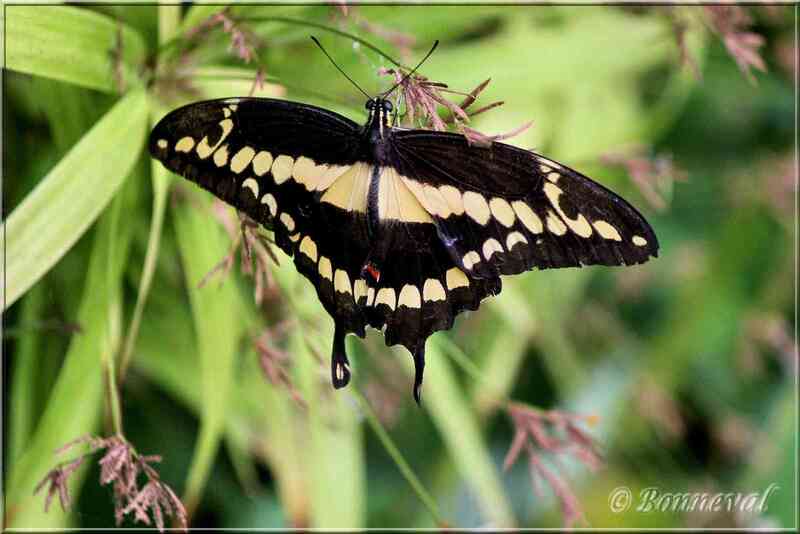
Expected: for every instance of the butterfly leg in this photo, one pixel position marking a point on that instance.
(340, 366)
(419, 369)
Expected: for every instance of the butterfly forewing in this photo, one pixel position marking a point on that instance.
(543, 214)
(275, 160)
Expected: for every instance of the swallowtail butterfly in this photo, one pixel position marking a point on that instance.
(397, 229)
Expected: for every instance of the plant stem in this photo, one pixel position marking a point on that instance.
(335, 31)
(397, 456)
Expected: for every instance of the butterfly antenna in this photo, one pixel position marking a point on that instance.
(339, 68)
(412, 71)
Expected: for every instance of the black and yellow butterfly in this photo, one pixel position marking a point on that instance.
(398, 229)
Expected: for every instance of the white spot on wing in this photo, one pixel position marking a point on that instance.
(433, 290)
(409, 297)
(252, 185)
(360, 289)
(456, 278)
(639, 241)
(325, 270)
(470, 259)
(386, 295)
(341, 282)
(271, 203)
(287, 221)
(490, 246)
(514, 238)
(162, 143)
(309, 248)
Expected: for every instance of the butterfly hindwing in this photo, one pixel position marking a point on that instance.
(542, 214)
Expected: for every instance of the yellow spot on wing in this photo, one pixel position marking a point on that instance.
(262, 163)
(162, 143)
(203, 148)
(453, 198)
(639, 241)
(548, 162)
(476, 207)
(331, 173)
(396, 200)
(456, 278)
(185, 144)
(502, 211)
(349, 191)
(307, 172)
(282, 168)
(606, 231)
(528, 217)
(553, 177)
(221, 156)
(242, 159)
(555, 224)
(580, 225)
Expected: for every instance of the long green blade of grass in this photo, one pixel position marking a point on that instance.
(73, 45)
(74, 406)
(458, 424)
(59, 210)
(218, 326)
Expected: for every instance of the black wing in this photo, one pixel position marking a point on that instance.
(276, 161)
(504, 210)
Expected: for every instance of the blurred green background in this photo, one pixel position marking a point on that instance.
(688, 363)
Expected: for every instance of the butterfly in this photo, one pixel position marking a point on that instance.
(397, 229)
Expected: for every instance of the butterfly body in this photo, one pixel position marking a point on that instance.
(397, 229)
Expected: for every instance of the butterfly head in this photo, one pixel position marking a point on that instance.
(380, 112)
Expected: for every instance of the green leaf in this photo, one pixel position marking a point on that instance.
(218, 327)
(74, 45)
(458, 424)
(75, 403)
(59, 210)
